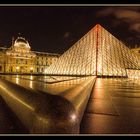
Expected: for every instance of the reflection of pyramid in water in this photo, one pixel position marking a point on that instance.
(96, 53)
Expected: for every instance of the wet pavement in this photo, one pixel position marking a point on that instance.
(113, 108)
(53, 85)
(21, 99)
(8, 125)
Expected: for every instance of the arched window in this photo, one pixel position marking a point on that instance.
(42, 70)
(11, 69)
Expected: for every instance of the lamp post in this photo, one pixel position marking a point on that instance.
(17, 69)
(31, 70)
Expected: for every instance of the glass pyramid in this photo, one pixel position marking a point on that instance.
(97, 53)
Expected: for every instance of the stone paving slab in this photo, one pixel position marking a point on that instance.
(114, 108)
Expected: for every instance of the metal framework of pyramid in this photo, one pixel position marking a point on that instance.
(97, 53)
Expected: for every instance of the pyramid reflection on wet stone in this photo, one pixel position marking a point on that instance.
(96, 53)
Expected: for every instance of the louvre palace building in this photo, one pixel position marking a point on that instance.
(19, 59)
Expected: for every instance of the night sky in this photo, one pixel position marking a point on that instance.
(55, 29)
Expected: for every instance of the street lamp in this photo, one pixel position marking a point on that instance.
(17, 69)
(31, 70)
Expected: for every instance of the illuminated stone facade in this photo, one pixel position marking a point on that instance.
(2, 60)
(44, 60)
(19, 59)
(96, 53)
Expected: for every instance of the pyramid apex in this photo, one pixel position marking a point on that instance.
(96, 53)
(98, 25)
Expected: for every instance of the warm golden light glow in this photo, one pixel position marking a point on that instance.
(17, 79)
(31, 77)
(17, 67)
(31, 84)
(73, 117)
(20, 59)
(17, 99)
(97, 53)
(133, 73)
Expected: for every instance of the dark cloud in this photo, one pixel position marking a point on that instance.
(138, 36)
(135, 27)
(130, 38)
(128, 15)
(66, 34)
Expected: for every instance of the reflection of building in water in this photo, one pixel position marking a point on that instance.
(97, 53)
(19, 59)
